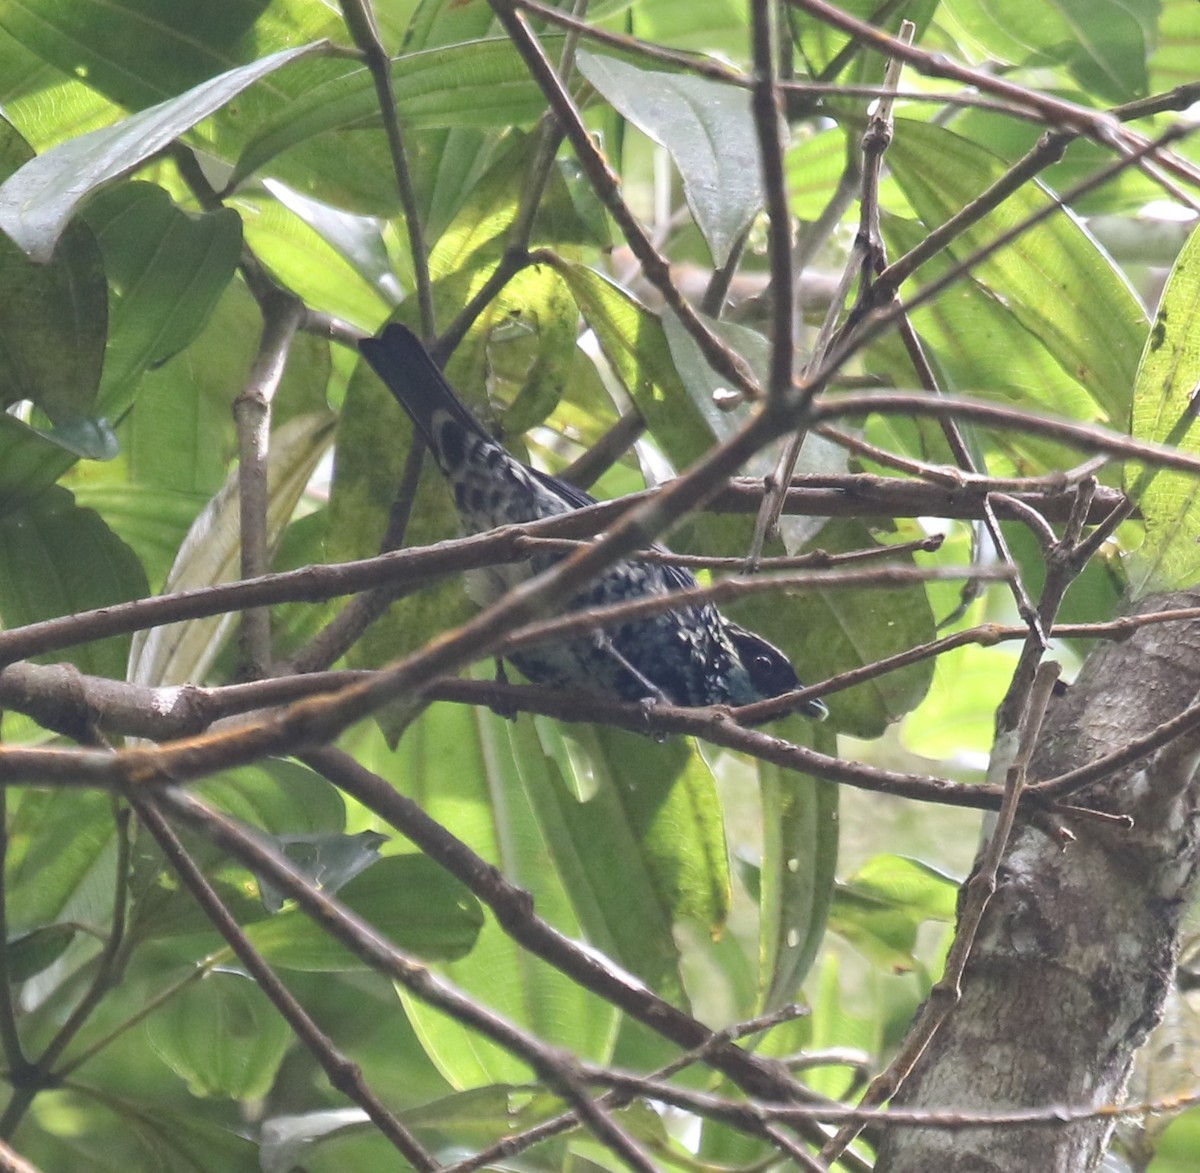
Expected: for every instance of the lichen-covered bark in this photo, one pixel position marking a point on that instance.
(1077, 948)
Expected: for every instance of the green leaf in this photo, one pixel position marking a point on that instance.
(1054, 278)
(1164, 410)
(166, 271)
(1103, 43)
(179, 437)
(708, 130)
(45, 104)
(151, 524)
(32, 459)
(53, 317)
(33, 952)
(458, 763)
(53, 320)
(211, 554)
(309, 265)
(136, 1131)
(279, 796)
(880, 908)
(907, 883)
(1128, 193)
(481, 83)
(577, 793)
(328, 858)
(979, 343)
(813, 168)
(409, 899)
(38, 201)
(222, 1036)
(845, 1013)
(800, 846)
(1173, 61)
(57, 840)
(958, 717)
(622, 815)
(133, 51)
(57, 559)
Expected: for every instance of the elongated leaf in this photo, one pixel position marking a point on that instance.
(135, 52)
(328, 858)
(33, 952)
(1103, 43)
(179, 437)
(43, 103)
(166, 271)
(185, 651)
(800, 848)
(636, 831)
(1054, 278)
(408, 898)
(279, 796)
(222, 1036)
(1164, 409)
(1171, 64)
(32, 459)
(480, 83)
(38, 201)
(308, 264)
(56, 839)
(459, 764)
(881, 907)
(708, 130)
(980, 344)
(57, 559)
(53, 320)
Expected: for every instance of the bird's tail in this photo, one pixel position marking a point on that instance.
(403, 363)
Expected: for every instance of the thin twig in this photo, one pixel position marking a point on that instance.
(560, 1071)
(281, 317)
(360, 21)
(343, 1074)
(514, 913)
(724, 361)
(10, 1036)
(865, 258)
(40, 1072)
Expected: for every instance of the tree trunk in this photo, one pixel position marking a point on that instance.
(1077, 948)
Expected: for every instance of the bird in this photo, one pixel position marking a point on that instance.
(691, 655)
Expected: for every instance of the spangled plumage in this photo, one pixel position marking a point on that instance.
(691, 656)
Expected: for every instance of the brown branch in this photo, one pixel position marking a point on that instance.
(1089, 437)
(606, 184)
(767, 110)
(344, 1075)
(558, 1070)
(360, 21)
(281, 316)
(513, 908)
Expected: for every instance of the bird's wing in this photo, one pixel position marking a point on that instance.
(675, 578)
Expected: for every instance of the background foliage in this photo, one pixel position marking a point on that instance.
(195, 191)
